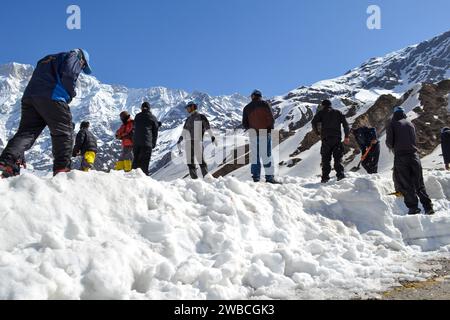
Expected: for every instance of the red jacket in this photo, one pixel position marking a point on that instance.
(125, 133)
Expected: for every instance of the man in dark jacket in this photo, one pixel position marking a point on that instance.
(259, 120)
(370, 148)
(86, 146)
(46, 103)
(194, 130)
(445, 144)
(401, 138)
(332, 121)
(145, 136)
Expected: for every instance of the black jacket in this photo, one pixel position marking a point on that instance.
(258, 115)
(85, 141)
(331, 120)
(145, 130)
(445, 141)
(401, 135)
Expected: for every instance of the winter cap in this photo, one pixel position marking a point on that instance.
(191, 104)
(326, 103)
(85, 124)
(145, 106)
(257, 93)
(85, 55)
(399, 109)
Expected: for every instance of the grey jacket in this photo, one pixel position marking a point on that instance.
(195, 127)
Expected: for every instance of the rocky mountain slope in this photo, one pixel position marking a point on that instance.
(414, 77)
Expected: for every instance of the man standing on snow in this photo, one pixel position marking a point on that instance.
(145, 136)
(193, 134)
(86, 146)
(258, 118)
(401, 137)
(45, 102)
(370, 148)
(331, 120)
(445, 144)
(125, 134)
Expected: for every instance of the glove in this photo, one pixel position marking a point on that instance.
(214, 140)
(347, 141)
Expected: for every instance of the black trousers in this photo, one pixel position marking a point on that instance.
(38, 113)
(332, 147)
(409, 178)
(371, 162)
(142, 156)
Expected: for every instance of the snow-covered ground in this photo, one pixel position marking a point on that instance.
(127, 236)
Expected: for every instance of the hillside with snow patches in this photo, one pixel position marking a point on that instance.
(127, 236)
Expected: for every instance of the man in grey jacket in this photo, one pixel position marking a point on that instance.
(193, 133)
(401, 138)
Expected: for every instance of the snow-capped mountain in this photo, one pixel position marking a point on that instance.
(101, 104)
(415, 77)
(365, 94)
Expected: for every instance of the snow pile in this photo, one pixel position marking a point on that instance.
(126, 236)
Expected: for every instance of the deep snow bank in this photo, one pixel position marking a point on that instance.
(116, 236)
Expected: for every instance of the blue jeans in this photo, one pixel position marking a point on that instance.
(261, 149)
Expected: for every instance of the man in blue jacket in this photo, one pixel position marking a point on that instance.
(46, 103)
(370, 148)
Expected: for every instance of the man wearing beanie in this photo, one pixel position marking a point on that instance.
(401, 138)
(332, 121)
(146, 128)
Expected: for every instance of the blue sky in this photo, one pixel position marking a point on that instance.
(218, 46)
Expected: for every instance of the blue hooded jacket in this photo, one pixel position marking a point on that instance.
(55, 77)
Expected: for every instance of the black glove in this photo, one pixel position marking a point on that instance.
(213, 139)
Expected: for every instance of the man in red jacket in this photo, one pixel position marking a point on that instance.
(125, 133)
(259, 119)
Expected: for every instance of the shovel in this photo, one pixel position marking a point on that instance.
(364, 157)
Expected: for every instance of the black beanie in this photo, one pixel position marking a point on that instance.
(145, 105)
(326, 103)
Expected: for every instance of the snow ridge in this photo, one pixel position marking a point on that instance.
(127, 236)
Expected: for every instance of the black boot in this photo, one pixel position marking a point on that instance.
(271, 180)
(325, 180)
(7, 170)
(414, 211)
